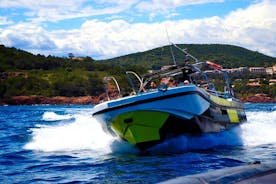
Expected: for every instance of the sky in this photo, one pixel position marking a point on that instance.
(105, 29)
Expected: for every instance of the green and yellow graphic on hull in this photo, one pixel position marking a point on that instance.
(139, 126)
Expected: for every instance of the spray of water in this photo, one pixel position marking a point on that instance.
(52, 116)
(185, 143)
(81, 134)
(260, 128)
(85, 133)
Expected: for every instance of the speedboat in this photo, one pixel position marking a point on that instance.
(177, 99)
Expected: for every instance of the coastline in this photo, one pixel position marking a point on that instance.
(37, 100)
(258, 98)
(85, 100)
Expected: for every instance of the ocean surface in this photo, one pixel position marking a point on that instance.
(64, 144)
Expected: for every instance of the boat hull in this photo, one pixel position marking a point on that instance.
(148, 119)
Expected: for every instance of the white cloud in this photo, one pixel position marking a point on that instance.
(52, 10)
(253, 28)
(5, 21)
(28, 37)
(41, 4)
(167, 8)
(154, 5)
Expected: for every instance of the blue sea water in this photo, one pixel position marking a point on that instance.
(64, 144)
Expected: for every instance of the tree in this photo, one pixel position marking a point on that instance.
(70, 55)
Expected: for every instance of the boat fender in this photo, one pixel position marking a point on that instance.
(163, 87)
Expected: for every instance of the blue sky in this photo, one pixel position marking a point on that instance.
(110, 28)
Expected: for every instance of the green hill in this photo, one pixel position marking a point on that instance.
(228, 56)
(23, 73)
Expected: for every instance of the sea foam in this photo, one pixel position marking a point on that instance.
(86, 133)
(52, 116)
(259, 129)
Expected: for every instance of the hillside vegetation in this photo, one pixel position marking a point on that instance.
(228, 56)
(22, 73)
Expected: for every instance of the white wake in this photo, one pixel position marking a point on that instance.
(52, 116)
(85, 133)
(260, 128)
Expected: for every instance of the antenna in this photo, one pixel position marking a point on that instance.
(174, 62)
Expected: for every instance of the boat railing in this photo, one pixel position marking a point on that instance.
(141, 84)
(228, 90)
(105, 81)
(220, 94)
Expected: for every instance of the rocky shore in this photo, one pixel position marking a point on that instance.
(259, 98)
(31, 100)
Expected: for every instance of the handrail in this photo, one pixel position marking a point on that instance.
(219, 93)
(225, 74)
(141, 87)
(108, 78)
